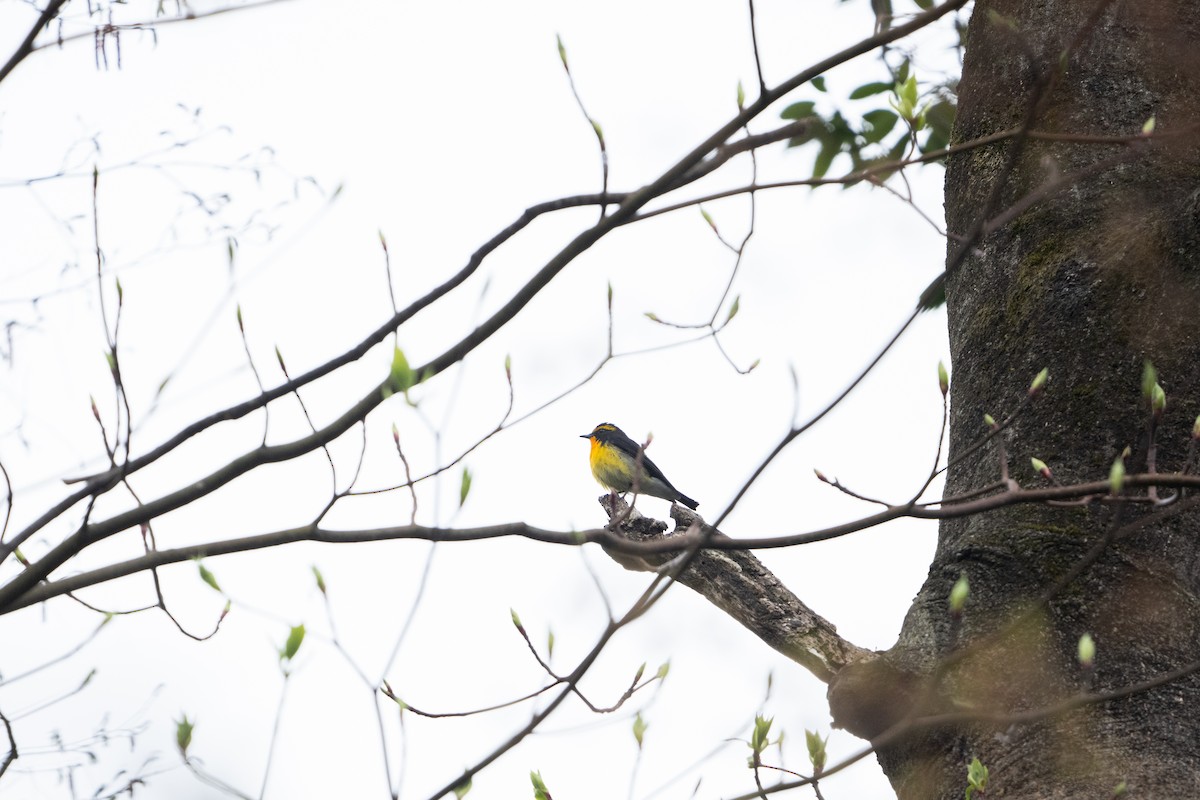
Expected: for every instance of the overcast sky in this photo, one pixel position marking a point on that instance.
(308, 128)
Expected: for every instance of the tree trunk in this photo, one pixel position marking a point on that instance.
(1089, 283)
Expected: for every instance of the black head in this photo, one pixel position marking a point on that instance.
(603, 432)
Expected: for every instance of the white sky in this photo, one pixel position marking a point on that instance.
(443, 122)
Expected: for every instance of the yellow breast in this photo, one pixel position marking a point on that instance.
(610, 467)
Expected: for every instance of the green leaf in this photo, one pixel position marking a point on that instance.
(977, 777)
(183, 734)
(464, 487)
(924, 5)
(897, 151)
(733, 309)
(461, 789)
(540, 792)
(939, 118)
(816, 750)
(828, 152)
(207, 576)
(401, 377)
(868, 89)
(320, 578)
(880, 122)
(762, 729)
(906, 97)
(801, 110)
(819, 83)
(639, 729)
(292, 645)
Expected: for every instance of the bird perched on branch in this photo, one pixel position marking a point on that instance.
(614, 459)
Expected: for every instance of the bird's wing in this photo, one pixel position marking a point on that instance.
(627, 445)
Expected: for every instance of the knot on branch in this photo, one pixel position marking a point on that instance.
(868, 697)
(633, 525)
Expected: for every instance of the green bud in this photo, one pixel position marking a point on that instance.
(292, 645)
(1040, 467)
(1158, 400)
(320, 579)
(741, 97)
(639, 729)
(816, 750)
(540, 792)
(461, 789)
(464, 487)
(759, 739)
(1148, 126)
(977, 776)
(1087, 651)
(562, 52)
(183, 734)
(1196, 429)
(1149, 378)
(989, 420)
(516, 619)
(943, 378)
(1116, 476)
(207, 576)
(733, 308)
(1039, 381)
(401, 377)
(958, 594)
(663, 669)
(820, 476)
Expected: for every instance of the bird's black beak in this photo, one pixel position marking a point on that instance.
(585, 436)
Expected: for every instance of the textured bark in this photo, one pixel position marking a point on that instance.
(740, 585)
(1088, 283)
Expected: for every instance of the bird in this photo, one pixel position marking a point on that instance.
(613, 458)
